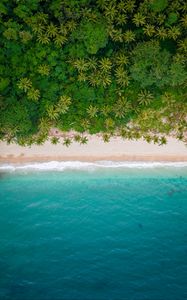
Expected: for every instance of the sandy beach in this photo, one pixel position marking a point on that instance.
(117, 150)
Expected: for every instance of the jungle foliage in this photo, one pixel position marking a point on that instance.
(114, 67)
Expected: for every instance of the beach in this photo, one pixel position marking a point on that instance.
(95, 150)
(95, 221)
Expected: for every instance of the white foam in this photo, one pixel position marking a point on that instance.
(78, 165)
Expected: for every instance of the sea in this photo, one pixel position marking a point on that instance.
(93, 231)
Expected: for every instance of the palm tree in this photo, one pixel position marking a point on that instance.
(130, 5)
(41, 18)
(84, 140)
(139, 19)
(101, 4)
(161, 33)
(136, 134)
(145, 97)
(184, 21)
(121, 107)
(82, 77)
(182, 45)
(105, 80)
(106, 137)
(54, 140)
(147, 138)
(110, 12)
(149, 30)
(24, 141)
(52, 30)
(63, 29)
(121, 59)
(38, 28)
(67, 142)
(43, 39)
(129, 135)
(123, 101)
(184, 6)
(123, 133)
(160, 18)
(33, 94)
(53, 112)
(92, 111)
(119, 91)
(168, 98)
(144, 8)
(180, 136)
(10, 132)
(94, 79)
(60, 40)
(116, 35)
(174, 32)
(44, 125)
(77, 138)
(90, 15)
(65, 100)
(63, 104)
(121, 6)
(176, 5)
(162, 141)
(155, 139)
(180, 58)
(80, 64)
(109, 123)
(85, 124)
(24, 84)
(129, 36)
(122, 77)
(92, 63)
(71, 25)
(44, 70)
(105, 110)
(121, 19)
(119, 113)
(105, 64)
(41, 138)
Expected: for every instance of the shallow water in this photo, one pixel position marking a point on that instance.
(94, 234)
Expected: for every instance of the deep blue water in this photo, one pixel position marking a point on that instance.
(111, 234)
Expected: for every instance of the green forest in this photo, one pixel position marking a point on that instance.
(109, 67)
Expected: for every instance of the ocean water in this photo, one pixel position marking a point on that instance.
(93, 231)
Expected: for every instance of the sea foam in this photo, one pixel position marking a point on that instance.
(78, 165)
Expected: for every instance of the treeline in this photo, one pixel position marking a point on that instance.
(106, 66)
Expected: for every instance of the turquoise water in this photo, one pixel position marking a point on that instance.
(98, 234)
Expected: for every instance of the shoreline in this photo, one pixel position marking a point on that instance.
(96, 150)
(38, 159)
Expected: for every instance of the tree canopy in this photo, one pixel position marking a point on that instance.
(115, 67)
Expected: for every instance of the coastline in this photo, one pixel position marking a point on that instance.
(96, 150)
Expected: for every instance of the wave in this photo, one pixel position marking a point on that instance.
(78, 165)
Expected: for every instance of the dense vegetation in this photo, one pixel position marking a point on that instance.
(108, 66)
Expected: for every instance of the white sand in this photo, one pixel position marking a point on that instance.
(96, 149)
